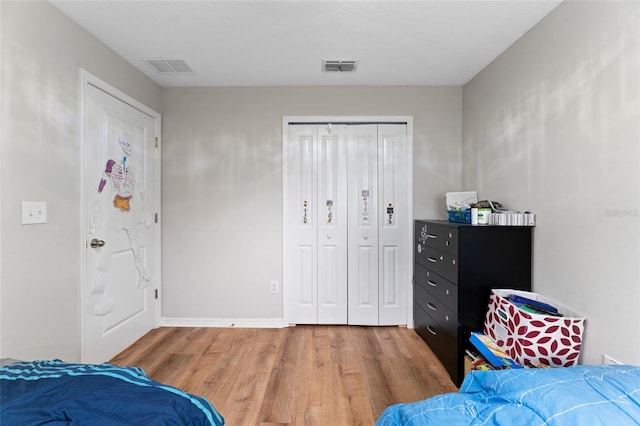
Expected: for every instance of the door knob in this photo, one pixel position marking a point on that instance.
(366, 237)
(95, 243)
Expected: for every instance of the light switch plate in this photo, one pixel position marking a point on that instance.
(34, 212)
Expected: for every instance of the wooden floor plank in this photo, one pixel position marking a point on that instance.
(349, 375)
(250, 388)
(284, 385)
(375, 370)
(302, 375)
(321, 396)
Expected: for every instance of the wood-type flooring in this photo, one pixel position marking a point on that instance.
(302, 375)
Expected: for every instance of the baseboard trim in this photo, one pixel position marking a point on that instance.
(223, 322)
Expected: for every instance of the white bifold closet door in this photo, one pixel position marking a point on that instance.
(345, 224)
(316, 224)
(377, 223)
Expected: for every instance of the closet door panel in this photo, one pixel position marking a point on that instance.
(332, 225)
(363, 224)
(300, 228)
(392, 181)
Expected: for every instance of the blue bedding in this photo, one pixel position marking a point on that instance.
(580, 395)
(56, 392)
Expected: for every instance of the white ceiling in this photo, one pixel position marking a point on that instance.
(266, 43)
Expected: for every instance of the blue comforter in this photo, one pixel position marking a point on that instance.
(55, 392)
(581, 395)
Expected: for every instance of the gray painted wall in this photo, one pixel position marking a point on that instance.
(553, 126)
(42, 52)
(222, 184)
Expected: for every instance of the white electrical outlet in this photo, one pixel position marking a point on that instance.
(275, 286)
(607, 360)
(34, 212)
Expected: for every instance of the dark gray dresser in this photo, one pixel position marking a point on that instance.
(455, 267)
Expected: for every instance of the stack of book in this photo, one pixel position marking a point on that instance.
(491, 352)
(533, 306)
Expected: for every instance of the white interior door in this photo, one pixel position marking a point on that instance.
(300, 230)
(316, 224)
(121, 188)
(332, 225)
(346, 216)
(377, 224)
(363, 224)
(392, 223)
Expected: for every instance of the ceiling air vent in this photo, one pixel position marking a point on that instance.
(168, 65)
(339, 65)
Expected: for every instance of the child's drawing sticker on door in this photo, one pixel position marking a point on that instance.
(122, 203)
(123, 186)
(108, 168)
(121, 175)
(124, 142)
(365, 207)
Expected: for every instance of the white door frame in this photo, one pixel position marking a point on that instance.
(286, 120)
(86, 78)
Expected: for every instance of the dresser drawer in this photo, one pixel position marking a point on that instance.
(446, 319)
(443, 346)
(442, 289)
(440, 237)
(443, 264)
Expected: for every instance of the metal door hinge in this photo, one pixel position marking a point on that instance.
(156, 293)
(156, 217)
(156, 141)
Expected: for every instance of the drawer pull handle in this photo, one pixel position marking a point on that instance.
(431, 259)
(432, 307)
(431, 331)
(432, 284)
(431, 236)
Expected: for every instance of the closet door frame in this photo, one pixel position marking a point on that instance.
(318, 120)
